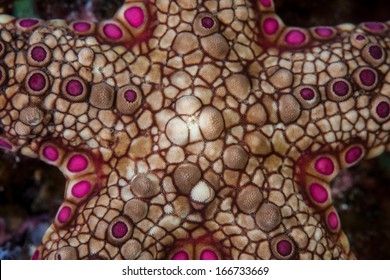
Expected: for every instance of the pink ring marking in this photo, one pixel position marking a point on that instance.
(324, 31)
(64, 214)
(295, 37)
(112, 31)
(77, 163)
(333, 220)
(208, 255)
(135, 16)
(82, 26)
(284, 247)
(383, 109)
(318, 193)
(183, 256)
(37, 82)
(266, 3)
(324, 165)
(119, 230)
(38, 53)
(270, 26)
(51, 153)
(28, 22)
(353, 154)
(81, 189)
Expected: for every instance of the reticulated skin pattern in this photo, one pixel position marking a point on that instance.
(195, 129)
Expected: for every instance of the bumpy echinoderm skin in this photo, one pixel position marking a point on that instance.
(194, 129)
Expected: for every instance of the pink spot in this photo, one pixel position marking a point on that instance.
(360, 37)
(207, 22)
(376, 52)
(284, 248)
(135, 16)
(82, 26)
(333, 220)
(208, 255)
(74, 88)
(119, 230)
(266, 3)
(113, 31)
(375, 26)
(295, 37)
(367, 77)
(51, 153)
(324, 31)
(28, 22)
(340, 88)
(307, 93)
(35, 256)
(383, 109)
(37, 82)
(38, 54)
(130, 96)
(81, 189)
(180, 256)
(64, 214)
(318, 193)
(270, 26)
(77, 163)
(5, 145)
(324, 165)
(353, 154)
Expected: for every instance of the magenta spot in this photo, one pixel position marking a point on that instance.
(270, 26)
(360, 37)
(119, 229)
(324, 165)
(5, 145)
(353, 154)
(208, 22)
(130, 95)
(324, 31)
(28, 22)
(340, 88)
(113, 31)
(367, 77)
(35, 256)
(295, 37)
(64, 214)
(51, 153)
(180, 256)
(37, 82)
(38, 54)
(333, 220)
(135, 16)
(318, 193)
(376, 52)
(284, 248)
(266, 3)
(208, 255)
(375, 26)
(81, 189)
(82, 26)
(307, 93)
(77, 163)
(74, 88)
(383, 109)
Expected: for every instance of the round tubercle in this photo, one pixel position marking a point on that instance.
(28, 24)
(205, 24)
(294, 37)
(283, 247)
(208, 255)
(323, 33)
(74, 89)
(332, 220)
(380, 108)
(351, 155)
(4, 144)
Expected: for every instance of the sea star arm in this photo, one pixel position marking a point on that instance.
(194, 130)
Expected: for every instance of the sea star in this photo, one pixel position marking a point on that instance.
(195, 129)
